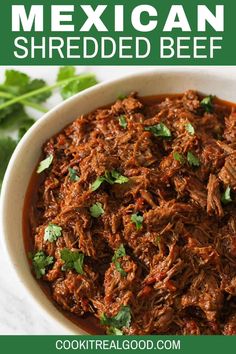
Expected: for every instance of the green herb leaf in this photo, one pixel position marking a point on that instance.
(109, 177)
(96, 184)
(159, 130)
(190, 129)
(65, 72)
(34, 85)
(7, 146)
(120, 252)
(40, 262)
(179, 157)
(82, 83)
(24, 127)
(45, 164)
(116, 177)
(72, 260)
(226, 197)
(73, 174)
(122, 319)
(207, 104)
(96, 210)
(123, 121)
(17, 79)
(113, 331)
(121, 97)
(193, 160)
(137, 219)
(52, 232)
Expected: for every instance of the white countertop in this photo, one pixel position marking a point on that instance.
(17, 315)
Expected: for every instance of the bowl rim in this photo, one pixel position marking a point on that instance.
(6, 246)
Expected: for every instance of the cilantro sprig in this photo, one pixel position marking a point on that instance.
(159, 130)
(119, 253)
(137, 219)
(40, 262)
(207, 103)
(72, 260)
(96, 210)
(73, 174)
(109, 177)
(121, 320)
(52, 232)
(192, 159)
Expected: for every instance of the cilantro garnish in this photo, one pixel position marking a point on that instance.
(120, 252)
(121, 97)
(96, 210)
(159, 130)
(122, 319)
(193, 159)
(179, 157)
(207, 103)
(122, 121)
(40, 262)
(113, 331)
(73, 174)
(137, 219)
(72, 260)
(226, 197)
(52, 232)
(43, 165)
(81, 83)
(190, 129)
(109, 177)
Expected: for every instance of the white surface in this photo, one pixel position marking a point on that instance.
(17, 313)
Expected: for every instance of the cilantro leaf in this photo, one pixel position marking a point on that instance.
(7, 146)
(65, 72)
(179, 157)
(137, 219)
(122, 121)
(72, 260)
(116, 177)
(113, 331)
(120, 252)
(73, 174)
(192, 159)
(159, 130)
(25, 126)
(82, 83)
(226, 197)
(35, 85)
(190, 129)
(52, 232)
(45, 164)
(15, 79)
(96, 210)
(121, 97)
(122, 319)
(109, 177)
(18, 83)
(97, 183)
(207, 103)
(40, 262)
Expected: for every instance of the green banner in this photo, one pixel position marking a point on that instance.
(111, 344)
(137, 32)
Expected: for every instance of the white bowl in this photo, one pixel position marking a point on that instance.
(28, 151)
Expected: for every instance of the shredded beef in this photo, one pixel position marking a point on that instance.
(178, 273)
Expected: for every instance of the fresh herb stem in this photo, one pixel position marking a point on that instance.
(34, 105)
(42, 90)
